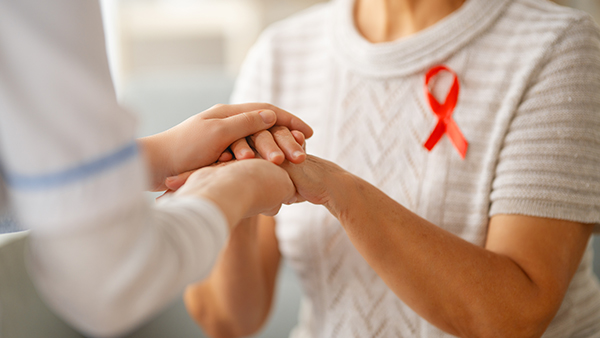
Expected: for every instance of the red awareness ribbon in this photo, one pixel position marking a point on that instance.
(446, 123)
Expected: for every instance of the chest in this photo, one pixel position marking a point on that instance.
(377, 128)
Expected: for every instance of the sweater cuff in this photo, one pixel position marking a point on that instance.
(204, 208)
(548, 209)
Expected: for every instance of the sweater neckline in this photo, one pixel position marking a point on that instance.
(416, 52)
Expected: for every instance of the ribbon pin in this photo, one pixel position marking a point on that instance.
(446, 123)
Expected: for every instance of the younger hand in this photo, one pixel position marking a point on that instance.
(202, 139)
(276, 140)
(241, 188)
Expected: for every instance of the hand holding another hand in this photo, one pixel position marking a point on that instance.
(206, 137)
(314, 180)
(241, 188)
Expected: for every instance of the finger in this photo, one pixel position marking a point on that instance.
(241, 125)
(175, 182)
(265, 145)
(299, 137)
(241, 149)
(284, 118)
(294, 170)
(226, 156)
(287, 143)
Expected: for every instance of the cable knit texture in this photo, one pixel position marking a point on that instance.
(529, 105)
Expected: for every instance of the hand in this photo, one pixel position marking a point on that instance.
(318, 181)
(267, 142)
(276, 145)
(241, 188)
(202, 139)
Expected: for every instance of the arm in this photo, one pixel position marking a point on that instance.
(236, 298)
(511, 288)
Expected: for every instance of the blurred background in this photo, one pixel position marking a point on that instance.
(171, 59)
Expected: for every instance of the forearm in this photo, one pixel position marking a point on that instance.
(235, 300)
(117, 270)
(462, 288)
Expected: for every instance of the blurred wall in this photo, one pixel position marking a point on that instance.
(150, 36)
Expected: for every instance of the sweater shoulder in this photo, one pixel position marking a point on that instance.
(537, 31)
(545, 10)
(532, 15)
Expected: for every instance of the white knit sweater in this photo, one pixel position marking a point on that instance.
(529, 106)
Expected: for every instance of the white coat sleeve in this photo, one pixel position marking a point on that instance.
(102, 256)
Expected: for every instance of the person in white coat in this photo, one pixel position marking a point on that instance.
(72, 171)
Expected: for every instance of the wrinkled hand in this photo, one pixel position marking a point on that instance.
(317, 180)
(276, 145)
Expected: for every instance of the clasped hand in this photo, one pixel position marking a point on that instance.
(248, 175)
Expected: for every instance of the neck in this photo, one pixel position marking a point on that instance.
(389, 20)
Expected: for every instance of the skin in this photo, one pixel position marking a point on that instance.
(241, 189)
(511, 287)
(219, 133)
(389, 20)
(236, 299)
(206, 137)
(277, 139)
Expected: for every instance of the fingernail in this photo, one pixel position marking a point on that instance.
(274, 155)
(297, 153)
(267, 116)
(247, 153)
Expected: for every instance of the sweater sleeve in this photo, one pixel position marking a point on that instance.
(549, 164)
(100, 254)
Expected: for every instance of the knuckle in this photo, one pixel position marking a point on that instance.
(248, 118)
(259, 134)
(278, 129)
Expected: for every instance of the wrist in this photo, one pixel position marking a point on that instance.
(233, 200)
(340, 191)
(157, 158)
(232, 195)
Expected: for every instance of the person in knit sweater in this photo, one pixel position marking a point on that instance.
(467, 212)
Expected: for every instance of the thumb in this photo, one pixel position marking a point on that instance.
(246, 124)
(175, 182)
